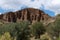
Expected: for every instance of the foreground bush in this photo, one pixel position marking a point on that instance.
(37, 29)
(23, 31)
(6, 36)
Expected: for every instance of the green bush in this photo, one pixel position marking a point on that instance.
(37, 29)
(23, 30)
(6, 36)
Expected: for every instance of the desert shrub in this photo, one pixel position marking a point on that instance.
(6, 36)
(7, 28)
(45, 37)
(23, 30)
(37, 29)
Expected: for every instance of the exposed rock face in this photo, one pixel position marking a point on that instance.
(29, 14)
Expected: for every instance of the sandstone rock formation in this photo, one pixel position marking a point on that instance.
(29, 14)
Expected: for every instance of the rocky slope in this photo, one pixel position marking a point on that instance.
(30, 14)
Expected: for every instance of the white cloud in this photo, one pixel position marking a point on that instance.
(0, 13)
(53, 5)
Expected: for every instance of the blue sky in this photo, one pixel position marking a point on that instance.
(51, 7)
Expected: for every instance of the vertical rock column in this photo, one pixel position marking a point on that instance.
(37, 16)
(41, 17)
(18, 15)
(12, 17)
(22, 17)
(9, 17)
(25, 15)
(29, 16)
